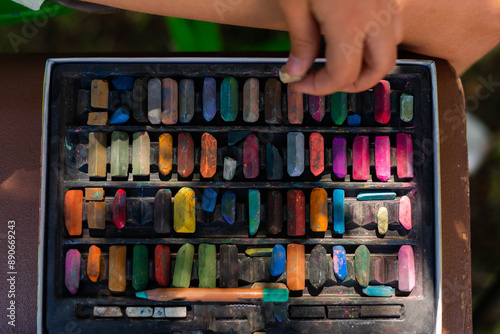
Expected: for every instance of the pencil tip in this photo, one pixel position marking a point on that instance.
(141, 294)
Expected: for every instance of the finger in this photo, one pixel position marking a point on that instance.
(343, 63)
(304, 36)
(379, 58)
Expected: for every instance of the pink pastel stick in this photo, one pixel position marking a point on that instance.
(251, 157)
(339, 148)
(404, 148)
(72, 270)
(317, 107)
(383, 158)
(406, 263)
(360, 158)
(405, 212)
(382, 92)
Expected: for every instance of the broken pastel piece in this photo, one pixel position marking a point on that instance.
(362, 265)
(209, 199)
(295, 153)
(119, 208)
(162, 265)
(382, 98)
(97, 154)
(278, 260)
(406, 270)
(229, 266)
(99, 92)
(338, 107)
(119, 154)
(209, 99)
(94, 194)
(273, 101)
(295, 105)
(251, 157)
(184, 211)
(140, 100)
(296, 219)
(165, 153)
(296, 267)
(378, 291)
(94, 263)
(169, 92)
(117, 268)
(154, 101)
(382, 220)
(317, 107)
(229, 99)
(97, 118)
(229, 168)
(96, 215)
(274, 163)
(207, 265)
(141, 159)
(274, 212)
(140, 267)
(256, 252)
(376, 196)
(339, 154)
(208, 159)
(186, 100)
(253, 210)
(163, 211)
(316, 153)
(317, 266)
(406, 107)
(360, 158)
(251, 100)
(404, 152)
(73, 208)
(120, 116)
(139, 311)
(338, 211)
(72, 270)
(383, 158)
(318, 210)
(228, 207)
(185, 154)
(405, 212)
(353, 120)
(339, 262)
(183, 266)
(107, 311)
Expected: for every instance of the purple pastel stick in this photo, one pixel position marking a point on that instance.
(339, 148)
(406, 261)
(383, 158)
(72, 270)
(317, 107)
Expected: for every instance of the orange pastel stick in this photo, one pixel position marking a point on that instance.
(94, 263)
(296, 267)
(208, 161)
(73, 205)
(165, 154)
(319, 210)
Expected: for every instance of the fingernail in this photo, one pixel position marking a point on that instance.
(294, 66)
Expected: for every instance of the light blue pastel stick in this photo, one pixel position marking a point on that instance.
(378, 291)
(339, 262)
(338, 211)
(295, 153)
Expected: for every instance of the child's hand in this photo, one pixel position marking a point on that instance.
(361, 42)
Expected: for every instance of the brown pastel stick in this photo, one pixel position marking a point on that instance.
(99, 94)
(165, 154)
(73, 205)
(94, 194)
(97, 118)
(94, 263)
(295, 105)
(97, 154)
(96, 215)
(185, 154)
(273, 101)
(296, 267)
(117, 268)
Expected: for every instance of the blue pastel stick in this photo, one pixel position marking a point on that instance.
(209, 99)
(208, 200)
(338, 211)
(120, 116)
(354, 120)
(123, 82)
(376, 196)
(339, 262)
(378, 291)
(228, 206)
(278, 259)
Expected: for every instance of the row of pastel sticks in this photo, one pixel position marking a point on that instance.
(277, 264)
(169, 102)
(185, 213)
(249, 159)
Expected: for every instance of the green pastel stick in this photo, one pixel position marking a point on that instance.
(140, 267)
(207, 265)
(338, 107)
(183, 266)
